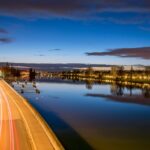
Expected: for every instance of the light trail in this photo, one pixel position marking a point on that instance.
(1, 115)
(51, 140)
(16, 139)
(27, 126)
(32, 128)
(10, 121)
(13, 131)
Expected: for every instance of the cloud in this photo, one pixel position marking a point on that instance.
(56, 49)
(41, 55)
(3, 31)
(142, 52)
(125, 99)
(6, 40)
(70, 8)
(145, 28)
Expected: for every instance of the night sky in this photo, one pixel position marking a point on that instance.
(80, 31)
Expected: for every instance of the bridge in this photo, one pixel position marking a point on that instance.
(21, 126)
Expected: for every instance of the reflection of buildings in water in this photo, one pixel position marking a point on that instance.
(146, 92)
(130, 88)
(113, 88)
(116, 89)
(119, 90)
(136, 99)
(89, 84)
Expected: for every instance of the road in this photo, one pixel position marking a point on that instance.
(21, 127)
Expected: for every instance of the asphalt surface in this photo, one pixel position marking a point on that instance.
(21, 127)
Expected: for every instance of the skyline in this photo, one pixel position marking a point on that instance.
(75, 32)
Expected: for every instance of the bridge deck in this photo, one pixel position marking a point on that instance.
(21, 127)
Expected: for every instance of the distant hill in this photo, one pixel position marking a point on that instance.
(55, 67)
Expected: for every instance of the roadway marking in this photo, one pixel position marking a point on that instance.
(10, 121)
(1, 119)
(13, 126)
(43, 127)
(46, 132)
(26, 124)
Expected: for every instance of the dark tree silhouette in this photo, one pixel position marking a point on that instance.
(32, 74)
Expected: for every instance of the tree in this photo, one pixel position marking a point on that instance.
(32, 74)
(120, 70)
(131, 73)
(114, 71)
(147, 71)
(89, 71)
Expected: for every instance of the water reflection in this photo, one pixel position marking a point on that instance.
(125, 94)
(89, 84)
(118, 89)
(100, 116)
(146, 92)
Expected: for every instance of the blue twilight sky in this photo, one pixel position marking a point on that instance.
(60, 31)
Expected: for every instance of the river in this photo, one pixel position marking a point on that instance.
(99, 116)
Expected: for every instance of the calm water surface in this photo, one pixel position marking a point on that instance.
(102, 117)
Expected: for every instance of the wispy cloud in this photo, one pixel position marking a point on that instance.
(145, 28)
(6, 40)
(71, 9)
(142, 52)
(40, 55)
(3, 31)
(55, 49)
(125, 99)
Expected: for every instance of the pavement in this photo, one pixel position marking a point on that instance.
(21, 126)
